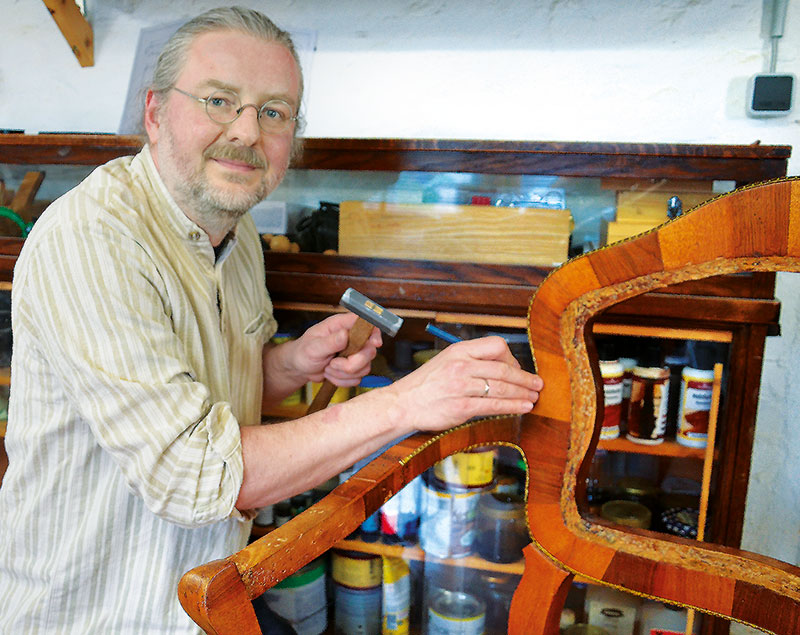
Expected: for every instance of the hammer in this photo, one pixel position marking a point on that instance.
(370, 314)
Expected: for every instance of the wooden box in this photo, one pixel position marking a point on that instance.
(460, 233)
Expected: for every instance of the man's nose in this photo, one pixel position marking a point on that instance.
(245, 127)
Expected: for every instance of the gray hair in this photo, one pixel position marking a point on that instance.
(173, 56)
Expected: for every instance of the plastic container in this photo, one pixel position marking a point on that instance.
(695, 407)
(370, 382)
(612, 610)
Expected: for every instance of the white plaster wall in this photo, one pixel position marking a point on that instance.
(571, 70)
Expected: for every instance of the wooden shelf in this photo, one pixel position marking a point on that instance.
(667, 448)
(5, 376)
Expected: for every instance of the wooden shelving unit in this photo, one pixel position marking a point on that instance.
(741, 309)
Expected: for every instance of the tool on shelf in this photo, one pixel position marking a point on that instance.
(370, 314)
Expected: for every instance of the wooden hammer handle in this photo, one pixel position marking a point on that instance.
(359, 334)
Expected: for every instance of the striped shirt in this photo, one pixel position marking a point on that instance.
(136, 356)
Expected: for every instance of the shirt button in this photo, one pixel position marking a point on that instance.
(194, 235)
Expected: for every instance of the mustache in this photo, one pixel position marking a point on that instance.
(236, 153)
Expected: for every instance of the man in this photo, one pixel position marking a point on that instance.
(141, 322)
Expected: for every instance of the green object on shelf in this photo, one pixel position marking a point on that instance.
(9, 213)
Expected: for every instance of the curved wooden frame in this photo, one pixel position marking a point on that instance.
(754, 229)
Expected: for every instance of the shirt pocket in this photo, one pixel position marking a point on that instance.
(257, 325)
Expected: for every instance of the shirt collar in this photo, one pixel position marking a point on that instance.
(187, 229)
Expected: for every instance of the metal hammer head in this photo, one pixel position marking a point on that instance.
(372, 312)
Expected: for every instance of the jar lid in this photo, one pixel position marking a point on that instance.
(637, 486)
(374, 381)
(627, 513)
(651, 372)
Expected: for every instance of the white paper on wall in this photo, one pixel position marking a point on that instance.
(151, 41)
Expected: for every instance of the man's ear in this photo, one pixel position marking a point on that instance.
(152, 118)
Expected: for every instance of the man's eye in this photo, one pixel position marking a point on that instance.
(271, 113)
(218, 102)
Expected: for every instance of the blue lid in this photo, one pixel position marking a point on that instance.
(374, 381)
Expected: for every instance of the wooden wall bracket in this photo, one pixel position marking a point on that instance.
(76, 29)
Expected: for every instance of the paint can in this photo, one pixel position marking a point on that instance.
(455, 613)
(647, 411)
(355, 569)
(447, 518)
(357, 611)
(473, 468)
(301, 599)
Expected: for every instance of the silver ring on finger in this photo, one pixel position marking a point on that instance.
(485, 388)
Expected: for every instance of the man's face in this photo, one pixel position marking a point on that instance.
(213, 169)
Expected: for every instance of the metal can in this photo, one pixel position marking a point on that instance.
(396, 603)
(612, 373)
(355, 569)
(357, 610)
(695, 406)
(447, 518)
(301, 599)
(647, 411)
(455, 613)
(473, 468)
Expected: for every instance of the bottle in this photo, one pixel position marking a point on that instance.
(611, 372)
(694, 408)
(647, 410)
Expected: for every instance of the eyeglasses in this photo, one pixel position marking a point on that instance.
(224, 107)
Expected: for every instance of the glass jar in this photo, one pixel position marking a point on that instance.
(498, 590)
(502, 532)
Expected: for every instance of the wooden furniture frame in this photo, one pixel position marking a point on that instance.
(756, 229)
